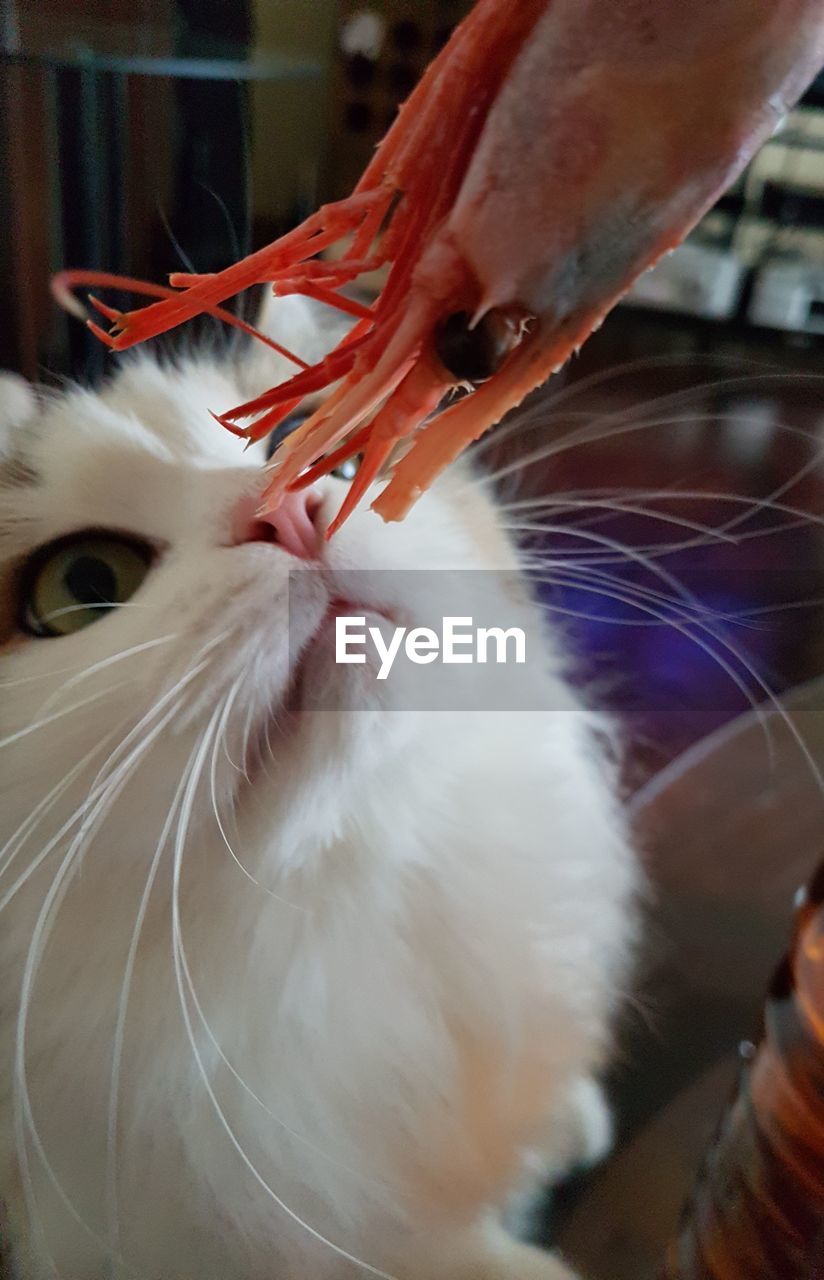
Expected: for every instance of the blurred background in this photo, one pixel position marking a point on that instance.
(137, 135)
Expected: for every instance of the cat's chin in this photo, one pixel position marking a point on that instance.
(322, 696)
(323, 683)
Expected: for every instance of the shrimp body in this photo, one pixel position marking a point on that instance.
(552, 152)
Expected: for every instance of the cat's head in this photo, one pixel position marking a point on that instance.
(222, 635)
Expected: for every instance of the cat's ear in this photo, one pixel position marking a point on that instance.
(18, 403)
(306, 328)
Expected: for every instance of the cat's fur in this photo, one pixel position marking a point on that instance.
(404, 989)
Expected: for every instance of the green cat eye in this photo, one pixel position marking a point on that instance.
(348, 469)
(69, 584)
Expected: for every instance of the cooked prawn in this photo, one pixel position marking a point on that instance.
(551, 153)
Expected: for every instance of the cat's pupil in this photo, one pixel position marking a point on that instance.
(90, 580)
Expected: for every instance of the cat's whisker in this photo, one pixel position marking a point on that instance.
(551, 400)
(181, 968)
(83, 673)
(770, 377)
(102, 665)
(45, 721)
(626, 596)
(17, 839)
(25, 1125)
(767, 610)
(625, 422)
(112, 1203)
(604, 498)
(100, 797)
(633, 419)
(250, 712)
(109, 605)
(631, 597)
(220, 740)
(761, 504)
(699, 614)
(629, 508)
(221, 728)
(587, 615)
(653, 551)
(246, 737)
(683, 596)
(103, 793)
(160, 705)
(633, 556)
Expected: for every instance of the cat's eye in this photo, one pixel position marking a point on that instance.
(69, 584)
(348, 469)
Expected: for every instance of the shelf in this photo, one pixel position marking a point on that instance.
(277, 67)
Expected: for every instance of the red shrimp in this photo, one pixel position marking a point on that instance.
(552, 152)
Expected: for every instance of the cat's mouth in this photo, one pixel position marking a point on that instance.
(317, 680)
(312, 683)
(342, 607)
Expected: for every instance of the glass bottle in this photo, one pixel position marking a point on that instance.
(757, 1212)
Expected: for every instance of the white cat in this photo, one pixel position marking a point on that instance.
(285, 994)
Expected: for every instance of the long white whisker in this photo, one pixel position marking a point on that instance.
(683, 625)
(622, 423)
(684, 596)
(98, 785)
(100, 798)
(25, 1126)
(68, 609)
(547, 407)
(736, 653)
(18, 838)
(178, 954)
(625, 508)
(227, 710)
(654, 550)
(85, 672)
(113, 1215)
(196, 999)
(58, 715)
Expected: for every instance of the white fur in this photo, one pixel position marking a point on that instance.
(414, 968)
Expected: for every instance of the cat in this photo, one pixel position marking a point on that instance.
(286, 994)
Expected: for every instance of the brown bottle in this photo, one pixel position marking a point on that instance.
(757, 1212)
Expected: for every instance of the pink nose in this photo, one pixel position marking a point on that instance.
(293, 525)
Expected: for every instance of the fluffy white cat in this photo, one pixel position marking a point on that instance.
(285, 994)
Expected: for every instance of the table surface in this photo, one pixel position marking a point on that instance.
(730, 831)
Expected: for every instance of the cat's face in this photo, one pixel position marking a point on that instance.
(210, 661)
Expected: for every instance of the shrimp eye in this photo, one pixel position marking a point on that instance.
(474, 353)
(71, 583)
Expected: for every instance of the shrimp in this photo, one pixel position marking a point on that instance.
(553, 151)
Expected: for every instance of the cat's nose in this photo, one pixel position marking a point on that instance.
(293, 524)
